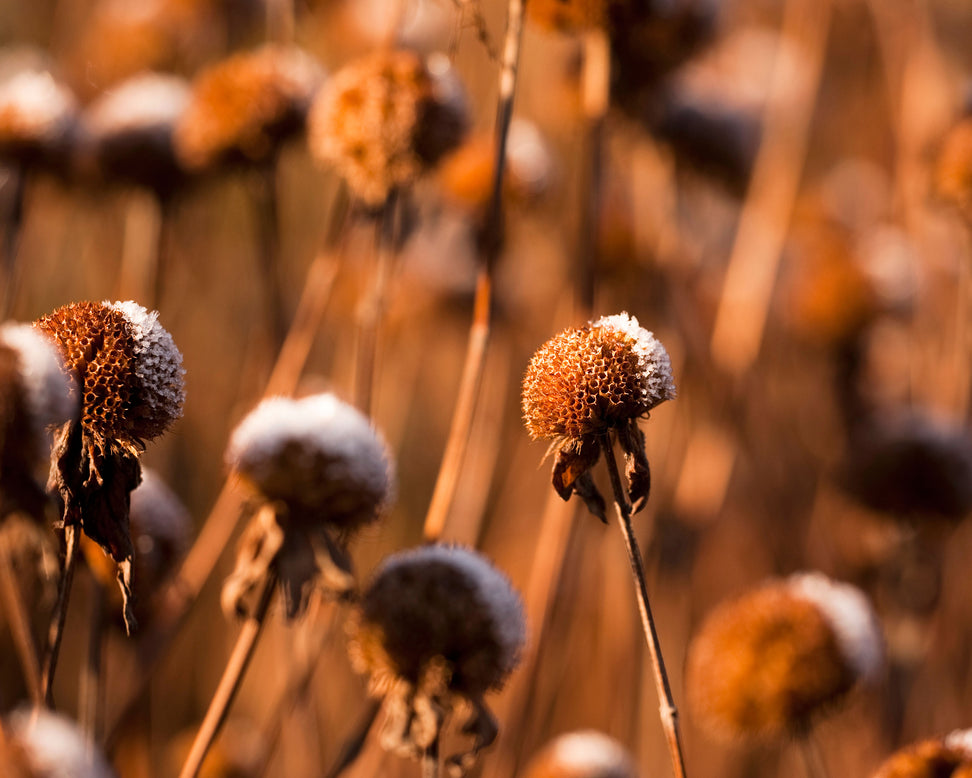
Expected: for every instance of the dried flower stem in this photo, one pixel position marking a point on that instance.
(266, 204)
(56, 631)
(9, 268)
(430, 760)
(16, 612)
(351, 748)
(812, 756)
(230, 682)
(140, 274)
(479, 331)
(667, 709)
(91, 688)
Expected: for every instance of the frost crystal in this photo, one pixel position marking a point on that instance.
(653, 360)
(47, 385)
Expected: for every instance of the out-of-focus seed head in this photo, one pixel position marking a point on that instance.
(384, 119)
(438, 603)
(318, 456)
(242, 108)
(953, 170)
(587, 380)
(127, 368)
(127, 132)
(943, 757)
(582, 754)
(766, 664)
(567, 16)
(37, 115)
(44, 744)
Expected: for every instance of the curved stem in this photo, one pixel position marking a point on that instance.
(56, 631)
(667, 709)
(229, 684)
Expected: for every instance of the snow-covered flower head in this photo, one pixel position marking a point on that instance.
(767, 663)
(128, 370)
(43, 744)
(318, 456)
(36, 114)
(582, 754)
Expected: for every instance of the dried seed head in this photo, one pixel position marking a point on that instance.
(244, 106)
(126, 365)
(36, 116)
(318, 456)
(384, 119)
(47, 745)
(584, 381)
(128, 132)
(568, 16)
(583, 754)
(767, 663)
(944, 757)
(438, 604)
(953, 171)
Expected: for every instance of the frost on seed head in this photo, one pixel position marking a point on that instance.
(158, 363)
(54, 746)
(653, 360)
(850, 616)
(960, 740)
(586, 754)
(47, 386)
(316, 454)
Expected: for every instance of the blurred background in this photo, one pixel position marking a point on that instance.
(782, 195)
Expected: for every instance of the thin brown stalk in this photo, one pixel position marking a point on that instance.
(813, 759)
(430, 760)
(139, 274)
(17, 617)
(9, 267)
(472, 372)
(230, 682)
(667, 709)
(265, 201)
(56, 631)
(91, 685)
(351, 748)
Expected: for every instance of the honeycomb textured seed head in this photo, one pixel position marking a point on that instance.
(384, 119)
(764, 665)
(944, 757)
(241, 108)
(317, 455)
(439, 603)
(584, 381)
(583, 754)
(128, 370)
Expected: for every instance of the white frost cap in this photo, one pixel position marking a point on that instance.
(319, 424)
(961, 740)
(144, 101)
(589, 754)
(47, 386)
(850, 615)
(54, 746)
(35, 104)
(653, 361)
(158, 363)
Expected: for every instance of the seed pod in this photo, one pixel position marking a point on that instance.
(43, 744)
(242, 108)
(766, 664)
(437, 628)
(383, 120)
(583, 754)
(945, 757)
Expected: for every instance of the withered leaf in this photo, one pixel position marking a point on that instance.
(572, 460)
(632, 441)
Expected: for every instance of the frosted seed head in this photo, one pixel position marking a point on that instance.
(582, 754)
(434, 604)
(317, 455)
(36, 113)
(52, 746)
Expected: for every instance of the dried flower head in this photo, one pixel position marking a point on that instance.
(953, 170)
(243, 107)
(384, 119)
(37, 116)
(43, 744)
(582, 754)
(325, 472)
(584, 383)
(127, 132)
(943, 757)
(766, 664)
(129, 374)
(437, 628)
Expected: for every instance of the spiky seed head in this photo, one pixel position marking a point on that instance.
(943, 757)
(765, 664)
(587, 380)
(243, 107)
(318, 456)
(582, 754)
(44, 744)
(35, 390)
(438, 603)
(126, 366)
(36, 115)
(384, 119)
(953, 170)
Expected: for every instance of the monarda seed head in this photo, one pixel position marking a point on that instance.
(766, 664)
(943, 757)
(241, 109)
(583, 754)
(383, 120)
(437, 628)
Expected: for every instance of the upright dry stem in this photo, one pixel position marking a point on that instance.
(91, 686)
(9, 268)
(667, 709)
(812, 756)
(17, 617)
(430, 760)
(56, 631)
(266, 205)
(230, 682)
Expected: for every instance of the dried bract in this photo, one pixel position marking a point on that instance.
(437, 628)
(383, 120)
(583, 754)
(766, 664)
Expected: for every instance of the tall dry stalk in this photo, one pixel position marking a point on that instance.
(56, 631)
